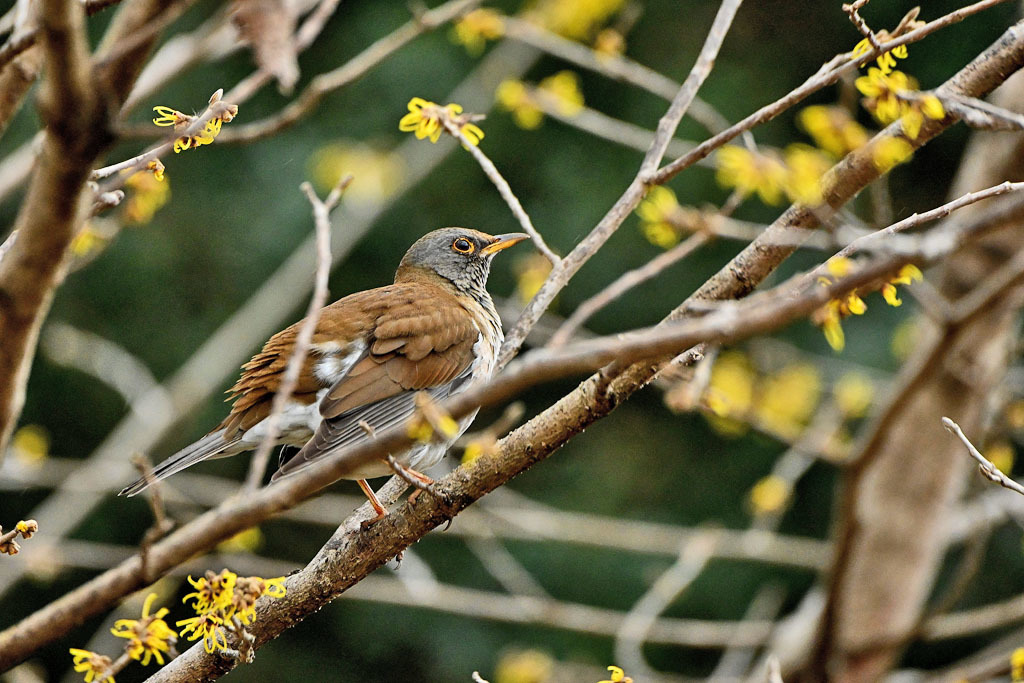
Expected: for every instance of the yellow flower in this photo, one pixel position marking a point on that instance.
(564, 88)
(27, 528)
(891, 296)
(93, 665)
(883, 92)
(887, 152)
(420, 430)
(156, 167)
(831, 325)
(805, 167)
(477, 448)
(148, 193)
(531, 273)
(473, 133)
(421, 120)
(213, 591)
(249, 540)
(931, 106)
(523, 666)
(618, 676)
(513, 96)
(785, 401)
(904, 340)
(839, 266)
(376, 173)
(833, 129)
(31, 443)
(1017, 665)
(908, 274)
(656, 212)
(1002, 455)
(887, 60)
(209, 627)
(609, 43)
(147, 637)
(730, 392)
(424, 121)
(170, 117)
(769, 495)
(911, 121)
(853, 393)
(575, 19)
(476, 28)
(247, 591)
(87, 241)
(750, 172)
(1015, 414)
(431, 418)
(855, 305)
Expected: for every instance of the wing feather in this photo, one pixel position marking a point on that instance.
(410, 350)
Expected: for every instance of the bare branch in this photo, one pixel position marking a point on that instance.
(504, 190)
(624, 283)
(588, 246)
(828, 74)
(988, 470)
(322, 221)
(350, 71)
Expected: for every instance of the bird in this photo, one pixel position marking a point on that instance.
(434, 330)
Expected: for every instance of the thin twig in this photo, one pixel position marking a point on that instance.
(630, 198)
(666, 589)
(491, 171)
(353, 69)
(161, 524)
(615, 67)
(853, 11)
(322, 221)
(15, 45)
(217, 108)
(828, 74)
(624, 283)
(988, 470)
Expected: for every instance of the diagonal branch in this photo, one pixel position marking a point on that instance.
(322, 222)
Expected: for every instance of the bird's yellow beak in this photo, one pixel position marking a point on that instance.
(504, 242)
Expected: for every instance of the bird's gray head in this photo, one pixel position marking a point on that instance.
(459, 255)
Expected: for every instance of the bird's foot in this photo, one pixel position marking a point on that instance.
(367, 523)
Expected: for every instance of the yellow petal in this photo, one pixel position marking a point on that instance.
(833, 330)
(931, 106)
(891, 296)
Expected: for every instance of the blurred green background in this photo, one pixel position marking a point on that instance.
(235, 213)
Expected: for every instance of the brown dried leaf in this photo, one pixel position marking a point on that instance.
(269, 28)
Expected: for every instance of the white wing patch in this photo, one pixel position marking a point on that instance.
(335, 361)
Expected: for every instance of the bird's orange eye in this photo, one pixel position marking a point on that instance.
(463, 246)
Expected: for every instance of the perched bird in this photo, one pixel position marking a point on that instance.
(434, 330)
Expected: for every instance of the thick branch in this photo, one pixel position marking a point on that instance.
(76, 133)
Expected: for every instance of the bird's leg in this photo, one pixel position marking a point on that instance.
(417, 479)
(377, 506)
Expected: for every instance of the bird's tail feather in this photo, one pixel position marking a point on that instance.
(210, 446)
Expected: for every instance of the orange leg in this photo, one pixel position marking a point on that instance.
(377, 507)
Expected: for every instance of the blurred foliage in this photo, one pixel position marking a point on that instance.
(162, 287)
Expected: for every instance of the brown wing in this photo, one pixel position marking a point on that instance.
(412, 347)
(347, 320)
